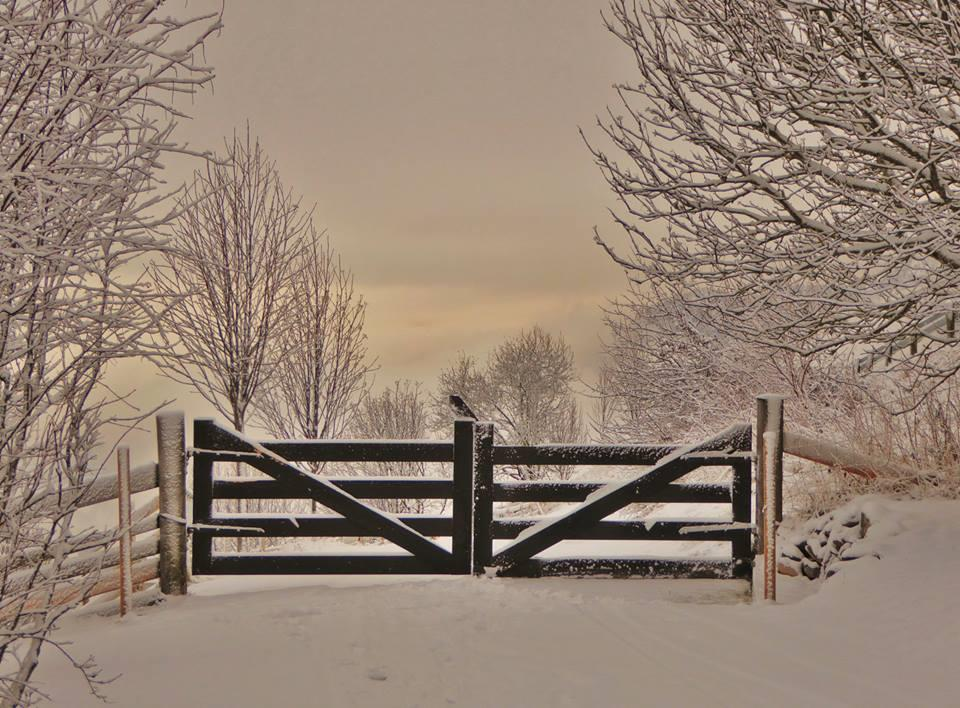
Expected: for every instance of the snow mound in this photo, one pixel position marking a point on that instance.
(865, 527)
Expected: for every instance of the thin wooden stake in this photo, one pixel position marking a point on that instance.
(123, 497)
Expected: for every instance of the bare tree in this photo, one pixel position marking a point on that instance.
(322, 369)
(226, 282)
(526, 389)
(803, 158)
(396, 413)
(227, 276)
(86, 115)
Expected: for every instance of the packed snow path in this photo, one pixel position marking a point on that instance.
(881, 633)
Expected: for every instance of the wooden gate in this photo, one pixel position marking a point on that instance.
(589, 520)
(472, 526)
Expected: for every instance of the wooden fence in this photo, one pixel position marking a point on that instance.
(148, 543)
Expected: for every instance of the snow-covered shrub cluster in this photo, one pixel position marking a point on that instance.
(862, 529)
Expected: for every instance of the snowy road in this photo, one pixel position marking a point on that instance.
(883, 633)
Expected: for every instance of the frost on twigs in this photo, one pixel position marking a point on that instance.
(789, 169)
(89, 96)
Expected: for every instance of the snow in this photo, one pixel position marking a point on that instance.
(882, 632)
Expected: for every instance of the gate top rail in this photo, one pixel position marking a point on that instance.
(332, 450)
(572, 454)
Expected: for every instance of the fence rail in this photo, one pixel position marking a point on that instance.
(148, 543)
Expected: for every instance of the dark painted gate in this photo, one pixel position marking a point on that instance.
(472, 527)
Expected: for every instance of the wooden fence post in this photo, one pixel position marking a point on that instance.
(171, 473)
(482, 497)
(462, 540)
(770, 485)
(124, 523)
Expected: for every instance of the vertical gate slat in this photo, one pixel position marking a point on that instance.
(462, 538)
(740, 500)
(482, 497)
(202, 497)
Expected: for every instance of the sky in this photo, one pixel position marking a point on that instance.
(439, 141)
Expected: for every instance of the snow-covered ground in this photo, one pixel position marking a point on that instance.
(882, 632)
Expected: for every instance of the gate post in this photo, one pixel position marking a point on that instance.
(171, 473)
(462, 540)
(770, 485)
(482, 497)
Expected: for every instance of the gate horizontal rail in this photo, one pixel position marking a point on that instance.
(440, 488)
(580, 454)
(625, 568)
(249, 526)
(359, 564)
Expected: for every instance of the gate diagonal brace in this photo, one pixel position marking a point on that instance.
(613, 497)
(334, 498)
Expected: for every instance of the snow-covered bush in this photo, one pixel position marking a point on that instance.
(525, 388)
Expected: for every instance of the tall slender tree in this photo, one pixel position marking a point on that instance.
(226, 281)
(226, 277)
(322, 369)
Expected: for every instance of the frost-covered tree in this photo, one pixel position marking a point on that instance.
(87, 110)
(226, 281)
(525, 388)
(226, 277)
(796, 158)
